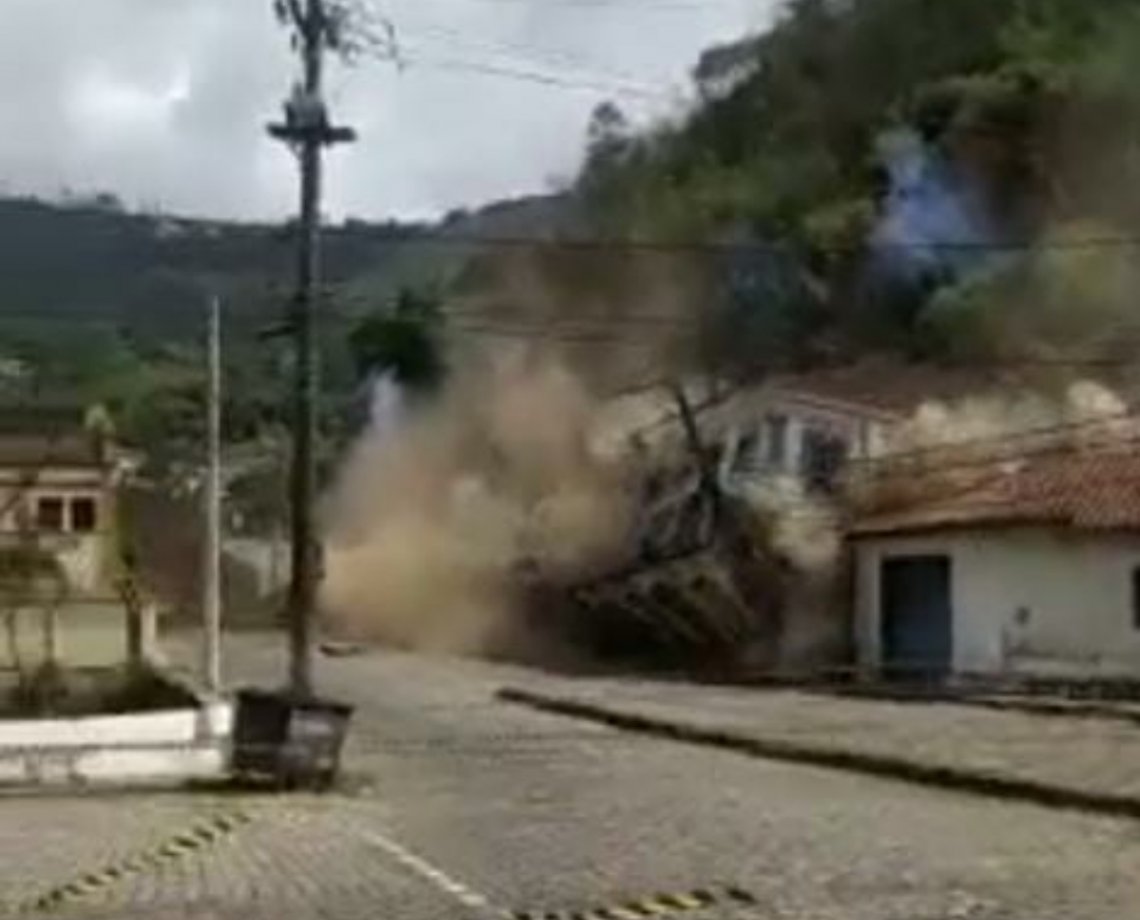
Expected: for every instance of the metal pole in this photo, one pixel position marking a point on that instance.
(304, 549)
(212, 561)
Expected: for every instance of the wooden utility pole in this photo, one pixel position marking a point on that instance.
(212, 497)
(307, 130)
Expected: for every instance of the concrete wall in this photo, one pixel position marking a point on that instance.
(172, 746)
(89, 635)
(1023, 599)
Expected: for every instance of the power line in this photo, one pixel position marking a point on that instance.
(1118, 446)
(377, 35)
(1060, 429)
(650, 319)
(625, 244)
(734, 390)
(616, 329)
(567, 337)
(492, 69)
(634, 6)
(544, 56)
(491, 312)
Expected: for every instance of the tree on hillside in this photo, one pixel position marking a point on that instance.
(403, 341)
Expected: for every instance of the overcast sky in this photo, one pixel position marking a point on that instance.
(163, 101)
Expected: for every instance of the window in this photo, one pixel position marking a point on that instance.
(83, 515)
(823, 457)
(49, 514)
(777, 430)
(1136, 597)
(745, 459)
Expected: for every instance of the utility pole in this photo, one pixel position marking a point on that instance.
(212, 560)
(307, 130)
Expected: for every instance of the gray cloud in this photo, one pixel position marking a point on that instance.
(164, 101)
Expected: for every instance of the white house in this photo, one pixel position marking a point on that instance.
(806, 426)
(809, 426)
(1028, 566)
(797, 426)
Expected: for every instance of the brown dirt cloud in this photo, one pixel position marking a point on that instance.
(427, 524)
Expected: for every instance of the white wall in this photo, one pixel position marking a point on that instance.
(1075, 590)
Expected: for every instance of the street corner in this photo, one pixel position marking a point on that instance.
(237, 852)
(114, 859)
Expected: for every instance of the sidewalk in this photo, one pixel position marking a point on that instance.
(1085, 761)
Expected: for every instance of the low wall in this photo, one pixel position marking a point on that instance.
(164, 747)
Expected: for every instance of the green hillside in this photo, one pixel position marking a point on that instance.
(850, 150)
(942, 178)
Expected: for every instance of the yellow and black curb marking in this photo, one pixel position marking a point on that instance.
(658, 905)
(199, 836)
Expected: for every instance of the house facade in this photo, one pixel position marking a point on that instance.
(1014, 551)
(1033, 568)
(806, 427)
(59, 482)
(788, 429)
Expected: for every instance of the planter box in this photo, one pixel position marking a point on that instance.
(161, 748)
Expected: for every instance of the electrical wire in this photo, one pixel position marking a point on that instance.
(637, 6)
(375, 34)
(543, 56)
(615, 330)
(1046, 431)
(734, 390)
(805, 509)
(488, 68)
(618, 244)
(563, 337)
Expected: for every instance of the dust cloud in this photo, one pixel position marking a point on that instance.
(431, 518)
(1081, 413)
(800, 526)
(804, 530)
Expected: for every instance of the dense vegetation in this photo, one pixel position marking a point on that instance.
(853, 146)
(862, 176)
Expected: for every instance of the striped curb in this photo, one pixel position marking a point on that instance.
(658, 905)
(199, 836)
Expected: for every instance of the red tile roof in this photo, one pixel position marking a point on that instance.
(1092, 489)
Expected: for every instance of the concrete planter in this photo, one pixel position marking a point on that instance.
(165, 747)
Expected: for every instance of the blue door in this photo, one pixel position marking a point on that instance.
(917, 637)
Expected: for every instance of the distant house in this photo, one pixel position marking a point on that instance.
(59, 479)
(803, 427)
(807, 427)
(1030, 565)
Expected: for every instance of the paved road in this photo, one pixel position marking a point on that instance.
(459, 806)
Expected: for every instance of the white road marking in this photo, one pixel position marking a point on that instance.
(462, 893)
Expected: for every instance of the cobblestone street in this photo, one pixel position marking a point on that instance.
(458, 805)
(1097, 755)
